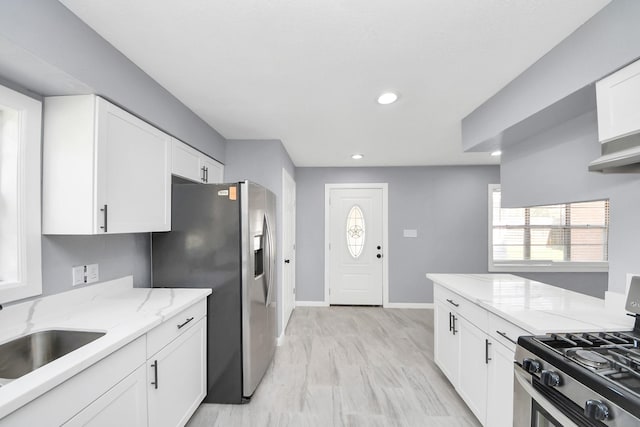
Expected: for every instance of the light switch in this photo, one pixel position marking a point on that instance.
(410, 233)
(92, 273)
(78, 275)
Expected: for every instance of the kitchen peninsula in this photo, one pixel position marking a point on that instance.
(478, 319)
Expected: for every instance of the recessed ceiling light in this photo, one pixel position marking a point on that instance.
(357, 156)
(387, 98)
(496, 153)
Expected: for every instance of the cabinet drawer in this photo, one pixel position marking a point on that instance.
(504, 331)
(475, 314)
(174, 327)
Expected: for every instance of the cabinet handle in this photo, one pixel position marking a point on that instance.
(504, 334)
(454, 323)
(155, 374)
(104, 212)
(206, 175)
(451, 302)
(486, 351)
(202, 178)
(450, 324)
(186, 321)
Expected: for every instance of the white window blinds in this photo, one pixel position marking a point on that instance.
(564, 237)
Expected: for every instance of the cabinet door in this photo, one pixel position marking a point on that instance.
(472, 383)
(500, 387)
(177, 377)
(124, 404)
(185, 161)
(214, 171)
(446, 343)
(133, 177)
(618, 99)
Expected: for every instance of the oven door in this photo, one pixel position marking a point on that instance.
(531, 408)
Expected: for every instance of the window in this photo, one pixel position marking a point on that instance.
(20, 238)
(565, 237)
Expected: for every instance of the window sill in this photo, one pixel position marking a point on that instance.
(550, 267)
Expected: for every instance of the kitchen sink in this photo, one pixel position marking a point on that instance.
(25, 354)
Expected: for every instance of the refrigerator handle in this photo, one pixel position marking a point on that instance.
(269, 259)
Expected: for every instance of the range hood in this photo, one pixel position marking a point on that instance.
(619, 155)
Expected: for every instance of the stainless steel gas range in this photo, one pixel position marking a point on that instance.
(580, 379)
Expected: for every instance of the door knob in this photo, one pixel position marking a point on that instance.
(379, 256)
(287, 261)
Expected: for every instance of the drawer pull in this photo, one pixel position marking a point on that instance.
(450, 301)
(186, 321)
(504, 334)
(155, 374)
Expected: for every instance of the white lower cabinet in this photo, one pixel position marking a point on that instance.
(500, 386)
(473, 367)
(475, 349)
(126, 401)
(447, 342)
(177, 378)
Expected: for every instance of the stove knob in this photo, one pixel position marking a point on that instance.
(596, 410)
(550, 378)
(531, 366)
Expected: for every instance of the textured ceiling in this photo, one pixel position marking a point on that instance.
(309, 72)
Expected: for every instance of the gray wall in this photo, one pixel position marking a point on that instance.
(262, 161)
(47, 50)
(447, 205)
(59, 40)
(608, 41)
(552, 168)
(118, 255)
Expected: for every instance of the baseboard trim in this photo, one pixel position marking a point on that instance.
(311, 304)
(281, 339)
(409, 305)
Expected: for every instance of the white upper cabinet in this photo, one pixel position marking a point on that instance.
(191, 164)
(104, 170)
(213, 171)
(618, 98)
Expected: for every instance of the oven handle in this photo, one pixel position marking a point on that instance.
(524, 382)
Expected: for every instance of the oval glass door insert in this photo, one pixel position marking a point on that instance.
(355, 231)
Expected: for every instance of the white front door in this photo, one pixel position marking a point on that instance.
(356, 246)
(288, 246)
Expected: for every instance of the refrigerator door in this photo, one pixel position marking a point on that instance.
(203, 251)
(258, 285)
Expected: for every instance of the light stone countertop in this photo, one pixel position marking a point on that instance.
(115, 307)
(533, 306)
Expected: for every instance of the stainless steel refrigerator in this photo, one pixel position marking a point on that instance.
(223, 237)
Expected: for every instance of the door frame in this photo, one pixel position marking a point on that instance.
(287, 177)
(385, 234)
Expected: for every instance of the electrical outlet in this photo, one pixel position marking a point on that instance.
(92, 273)
(78, 275)
(83, 274)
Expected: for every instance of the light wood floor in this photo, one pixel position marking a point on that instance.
(348, 366)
